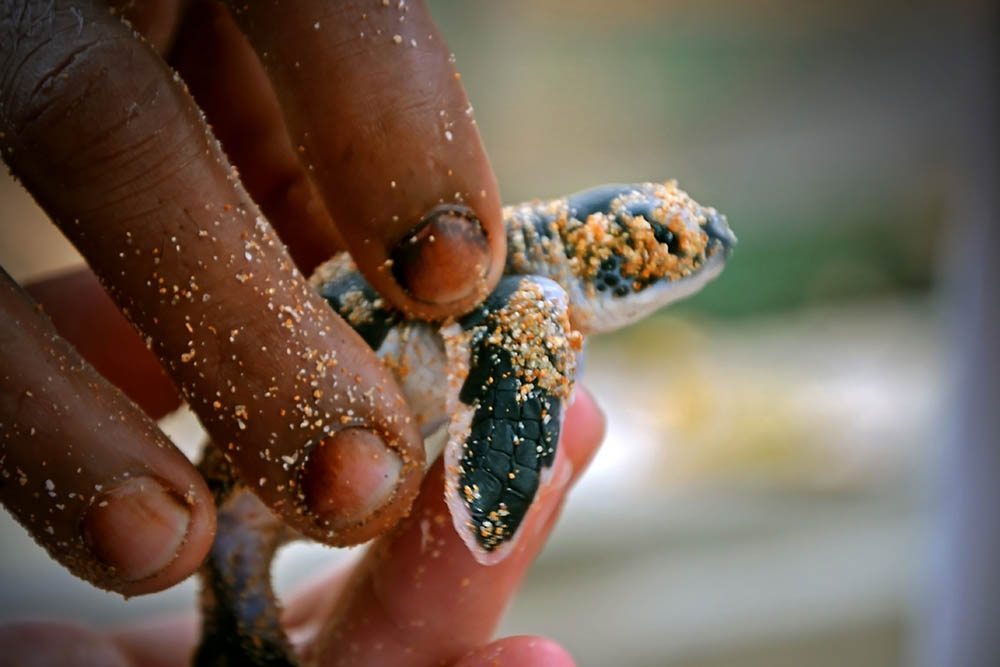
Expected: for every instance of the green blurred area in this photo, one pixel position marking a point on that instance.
(818, 130)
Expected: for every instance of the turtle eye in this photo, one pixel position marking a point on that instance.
(666, 237)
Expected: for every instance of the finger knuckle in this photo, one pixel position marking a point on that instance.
(83, 100)
(43, 59)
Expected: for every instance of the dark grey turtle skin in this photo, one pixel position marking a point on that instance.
(501, 377)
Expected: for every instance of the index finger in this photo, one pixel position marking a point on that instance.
(374, 103)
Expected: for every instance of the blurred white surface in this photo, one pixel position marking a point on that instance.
(761, 486)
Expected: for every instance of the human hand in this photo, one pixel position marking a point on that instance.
(417, 598)
(113, 146)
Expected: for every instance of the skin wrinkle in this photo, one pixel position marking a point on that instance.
(111, 132)
(93, 164)
(147, 187)
(381, 108)
(11, 38)
(61, 70)
(165, 167)
(130, 160)
(62, 67)
(374, 118)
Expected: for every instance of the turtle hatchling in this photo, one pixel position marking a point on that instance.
(500, 377)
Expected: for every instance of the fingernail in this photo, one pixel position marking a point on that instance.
(137, 528)
(350, 475)
(444, 258)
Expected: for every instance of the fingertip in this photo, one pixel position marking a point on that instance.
(443, 267)
(349, 475)
(392, 143)
(356, 485)
(518, 651)
(156, 537)
(145, 534)
(97, 484)
(445, 259)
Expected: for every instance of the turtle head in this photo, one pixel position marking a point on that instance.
(633, 249)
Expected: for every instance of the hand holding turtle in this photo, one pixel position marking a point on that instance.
(351, 458)
(352, 134)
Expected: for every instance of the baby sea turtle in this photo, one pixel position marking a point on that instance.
(500, 376)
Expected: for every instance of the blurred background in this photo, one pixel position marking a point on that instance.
(770, 490)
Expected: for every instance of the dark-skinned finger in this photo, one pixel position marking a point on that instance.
(85, 471)
(419, 597)
(108, 140)
(230, 85)
(372, 98)
(84, 314)
(519, 651)
(156, 20)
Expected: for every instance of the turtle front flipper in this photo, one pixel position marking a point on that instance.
(511, 367)
(241, 622)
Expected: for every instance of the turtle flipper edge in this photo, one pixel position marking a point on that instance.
(511, 367)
